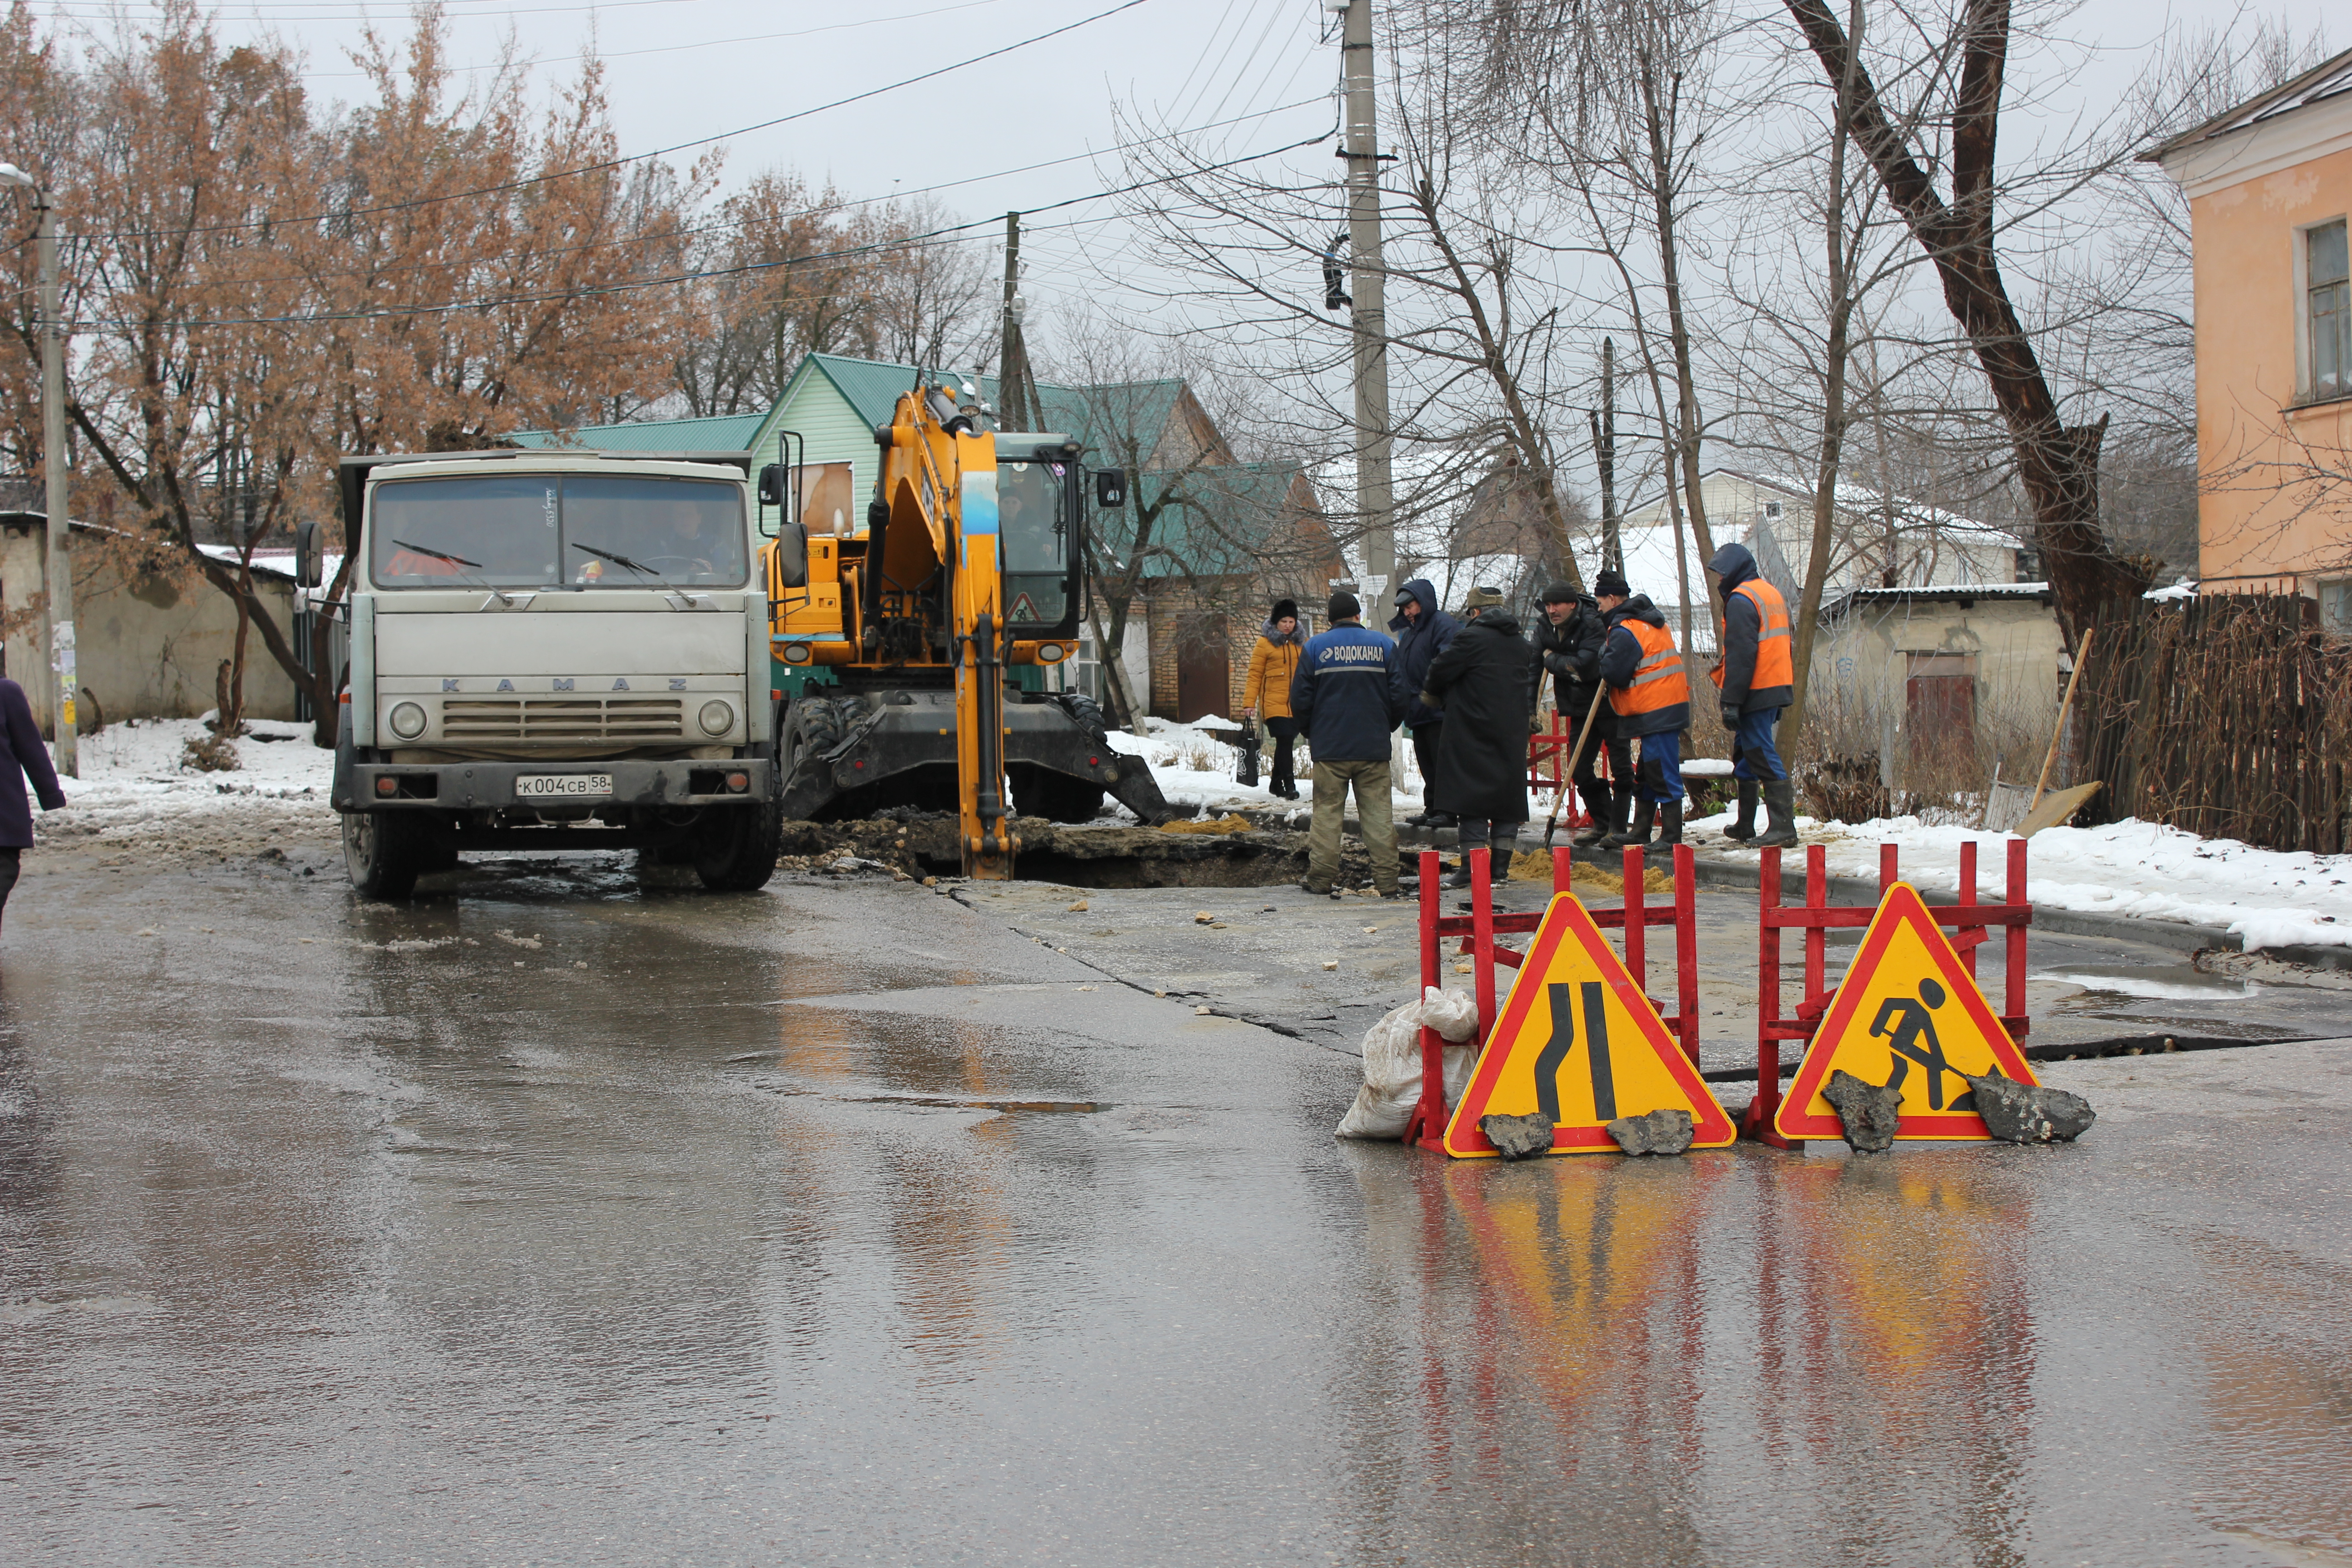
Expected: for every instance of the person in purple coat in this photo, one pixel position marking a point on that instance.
(22, 753)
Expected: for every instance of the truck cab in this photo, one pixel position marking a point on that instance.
(555, 650)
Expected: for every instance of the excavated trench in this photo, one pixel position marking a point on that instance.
(923, 843)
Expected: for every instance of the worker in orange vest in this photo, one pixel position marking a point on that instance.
(1757, 676)
(1650, 693)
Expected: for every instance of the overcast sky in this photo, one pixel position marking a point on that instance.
(680, 69)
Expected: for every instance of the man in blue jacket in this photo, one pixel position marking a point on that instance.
(1423, 632)
(1348, 697)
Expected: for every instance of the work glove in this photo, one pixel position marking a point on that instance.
(1731, 715)
(1535, 724)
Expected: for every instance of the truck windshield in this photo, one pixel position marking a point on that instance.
(1034, 537)
(525, 531)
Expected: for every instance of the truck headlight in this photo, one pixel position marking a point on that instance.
(716, 718)
(407, 721)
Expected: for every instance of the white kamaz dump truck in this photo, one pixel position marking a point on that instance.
(555, 650)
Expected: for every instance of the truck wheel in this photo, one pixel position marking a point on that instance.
(382, 853)
(736, 851)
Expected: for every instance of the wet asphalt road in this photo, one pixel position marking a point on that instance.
(563, 1219)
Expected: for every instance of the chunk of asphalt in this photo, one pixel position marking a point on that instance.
(1665, 1131)
(1870, 1113)
(2018, 1113)
(1518, 1137)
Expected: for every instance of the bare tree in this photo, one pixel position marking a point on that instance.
(2057, 463)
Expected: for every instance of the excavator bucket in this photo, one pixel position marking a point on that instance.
(852, 756)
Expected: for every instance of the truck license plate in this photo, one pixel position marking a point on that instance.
(561, 787)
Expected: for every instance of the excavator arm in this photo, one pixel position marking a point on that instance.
(941, 478)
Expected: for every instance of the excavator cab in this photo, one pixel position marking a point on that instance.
(1041, 521)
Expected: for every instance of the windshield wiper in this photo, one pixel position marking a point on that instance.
(678, 596)
(496, 593)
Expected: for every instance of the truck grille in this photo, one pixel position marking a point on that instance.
(626, 718)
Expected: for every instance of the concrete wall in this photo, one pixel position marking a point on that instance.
(1861, 665)
(145, 650)
(2264, 523)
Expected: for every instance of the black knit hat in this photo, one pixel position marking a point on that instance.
(1343, 606)
(1610, 585)
(1285, 607)
(1559, 593)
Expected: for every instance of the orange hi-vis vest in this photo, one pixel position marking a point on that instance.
(1774, 665)
(1658, 679)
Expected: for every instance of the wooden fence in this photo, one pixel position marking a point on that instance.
(2230, 717)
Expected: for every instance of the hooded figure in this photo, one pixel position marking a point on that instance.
(1423, 632)
(1486, 681)
(1266, 693)
(1757, 676)
(1650, 693)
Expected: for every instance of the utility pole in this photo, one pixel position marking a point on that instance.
(57, 567)
(1017, 407)
(1604, 457)
(1375, 502)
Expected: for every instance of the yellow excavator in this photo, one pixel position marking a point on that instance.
(969, 572)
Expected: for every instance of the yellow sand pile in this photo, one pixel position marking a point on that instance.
(1534, 865)
(1233, 823)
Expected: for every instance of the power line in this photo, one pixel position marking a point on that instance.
(611, 163)
(701, 44)
(666, 235)
(707, 274)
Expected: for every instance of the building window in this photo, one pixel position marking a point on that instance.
(2336, 606)
(1772, 508)
(2327, 304)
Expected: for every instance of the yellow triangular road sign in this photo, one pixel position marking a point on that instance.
(1579, 1042)
(1909, 1015)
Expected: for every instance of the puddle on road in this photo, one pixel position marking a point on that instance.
(2156, 982)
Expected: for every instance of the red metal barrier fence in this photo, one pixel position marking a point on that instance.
(1479, 928)
(1970, 922)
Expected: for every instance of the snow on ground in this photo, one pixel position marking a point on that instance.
(2137, 870)
(138, 790)
(1192, 765)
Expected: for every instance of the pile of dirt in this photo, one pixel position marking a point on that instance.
(1083, 856)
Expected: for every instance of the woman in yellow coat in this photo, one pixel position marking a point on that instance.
(1266, 693)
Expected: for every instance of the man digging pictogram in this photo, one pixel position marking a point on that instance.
(1903, 1021)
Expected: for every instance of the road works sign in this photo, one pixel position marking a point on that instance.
(1909, 1016)
(1579, 1042)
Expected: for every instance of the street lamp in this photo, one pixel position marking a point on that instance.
(56, 568)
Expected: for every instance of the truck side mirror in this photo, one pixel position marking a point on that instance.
(1110, 487)
(771, 485)
(306, 572)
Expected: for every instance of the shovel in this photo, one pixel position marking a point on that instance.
(1575, 761)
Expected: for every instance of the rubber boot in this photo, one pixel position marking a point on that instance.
(1602, 807)
(1780, 826)
(1502, 843)
(1670, 832)
(1744, 828)
(1639, 833)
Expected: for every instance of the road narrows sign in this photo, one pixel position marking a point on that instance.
(1579, 1042)
(1907, 1014)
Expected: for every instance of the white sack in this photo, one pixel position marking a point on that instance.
(1392, 1062)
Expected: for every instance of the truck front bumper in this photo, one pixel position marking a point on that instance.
(490, 786)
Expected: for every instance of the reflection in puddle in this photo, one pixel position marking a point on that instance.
(1846, 1345)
